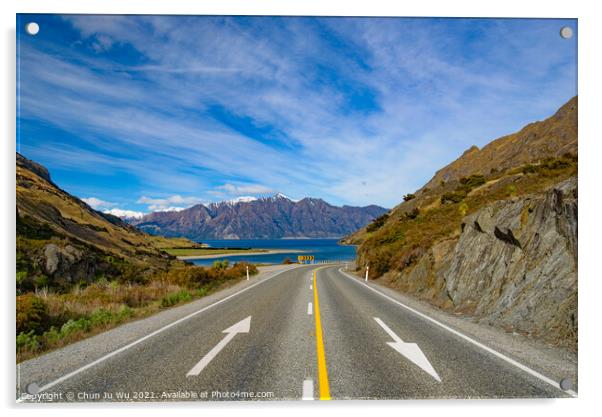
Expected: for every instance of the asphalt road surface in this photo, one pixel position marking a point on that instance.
(310, 332)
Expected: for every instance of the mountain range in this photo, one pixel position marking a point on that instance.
(259, 218)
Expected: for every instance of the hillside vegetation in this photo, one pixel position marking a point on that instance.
(516, 199)
(79, 271)
(407, 234)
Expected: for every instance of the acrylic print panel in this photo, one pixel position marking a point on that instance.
(217, 208)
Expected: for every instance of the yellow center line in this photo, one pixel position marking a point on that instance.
(322, 371)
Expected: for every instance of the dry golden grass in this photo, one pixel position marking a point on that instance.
(401, 241)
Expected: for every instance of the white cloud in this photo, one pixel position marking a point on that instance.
(431, 106)
(125, 213)
(97, 203)
(233, 189)
(172, 203)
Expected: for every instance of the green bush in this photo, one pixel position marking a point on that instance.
(201, 292)
(27, 341)
(453, 197)
(101, 317)
(377, 223)
(473, 181)
(32, 314)
(408, 197)
(175, 298)
(82, 324)
(223, 264)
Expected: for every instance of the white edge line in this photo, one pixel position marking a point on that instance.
(309, 308)
(511, 361)
(148, 336)
(308, 390)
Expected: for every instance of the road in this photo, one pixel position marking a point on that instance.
(309, 332)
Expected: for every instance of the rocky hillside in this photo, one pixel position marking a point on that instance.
(62, 241)
(552, 137)
(272, 217)
(489, 238)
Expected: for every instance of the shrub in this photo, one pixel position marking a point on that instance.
(453, 197)
(287, 261)
(473, 181)
(412, 214)
(408, 197)
(240, 270)
(223, 264)
(27, 341)
(21, 275)
(32, 314)
(101, 317)
(81, 325)
(175, 298)
(511, 189)
(201, 292)
(377, 223)
(529, 169)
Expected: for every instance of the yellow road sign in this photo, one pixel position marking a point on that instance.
(304, 258)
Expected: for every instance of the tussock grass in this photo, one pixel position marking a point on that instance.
(399, 240)
(48, 319)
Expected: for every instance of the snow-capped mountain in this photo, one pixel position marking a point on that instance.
(277, 216)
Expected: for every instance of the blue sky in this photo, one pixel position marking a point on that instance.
(147, 113)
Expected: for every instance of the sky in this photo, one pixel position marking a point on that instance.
(144, 113)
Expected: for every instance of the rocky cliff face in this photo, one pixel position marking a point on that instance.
(272, 217)
(513, 265)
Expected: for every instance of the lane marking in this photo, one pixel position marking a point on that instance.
(148, 336)
(308, 390)
(309, 308)
(499, 355)
(242, 326)
(322, 371)
(410, 350)
(311, 287)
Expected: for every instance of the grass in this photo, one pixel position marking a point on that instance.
(401, 240)
(207, 251)
(49, 319)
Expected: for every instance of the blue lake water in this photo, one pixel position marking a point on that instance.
(321, 249)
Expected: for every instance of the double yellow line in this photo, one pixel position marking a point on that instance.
(322, 371)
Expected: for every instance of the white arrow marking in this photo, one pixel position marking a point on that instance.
(410, 350)
(242, 326)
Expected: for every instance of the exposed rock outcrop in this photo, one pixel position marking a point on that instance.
(514, 265)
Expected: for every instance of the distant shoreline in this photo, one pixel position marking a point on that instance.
(249, 252)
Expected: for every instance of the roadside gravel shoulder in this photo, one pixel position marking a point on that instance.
(553, 362)
(52, 365)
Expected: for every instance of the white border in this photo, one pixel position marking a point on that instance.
(590, 179)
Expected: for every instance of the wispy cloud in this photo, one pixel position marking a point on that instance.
(353, 110)
(232, 189)
(97, 203)
(171, 203)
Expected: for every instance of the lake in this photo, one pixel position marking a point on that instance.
(322, 249)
